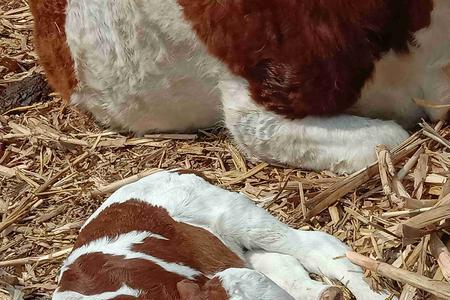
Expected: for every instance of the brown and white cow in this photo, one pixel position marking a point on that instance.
(308, 83)
(176, 236)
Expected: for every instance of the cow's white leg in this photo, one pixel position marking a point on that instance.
(341, 143)
(287, 272)
(242, 225)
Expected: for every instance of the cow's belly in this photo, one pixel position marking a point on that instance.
(140, 67)
(390, 93)
(400, 78)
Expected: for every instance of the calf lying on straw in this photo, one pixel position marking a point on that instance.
(172, 235)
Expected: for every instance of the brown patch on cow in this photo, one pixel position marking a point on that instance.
(195, 172)
(51, 44)
(420, 14)
(185, 244)
(96, 273)
(309, 57)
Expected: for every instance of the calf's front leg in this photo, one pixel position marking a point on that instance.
(287, 272)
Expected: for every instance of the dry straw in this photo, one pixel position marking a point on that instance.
(57, 165)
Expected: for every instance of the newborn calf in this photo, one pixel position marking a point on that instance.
(299, 82)
(175, 236)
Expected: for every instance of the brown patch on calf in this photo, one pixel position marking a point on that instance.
(192, 246)
(188, 245)
(96, 273)
(212, 290)
(51, 44)
(308, 57)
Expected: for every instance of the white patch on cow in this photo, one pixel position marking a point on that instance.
(342, 143)
(121, 246)
(140, 67)
(123, 291)
(399, 78)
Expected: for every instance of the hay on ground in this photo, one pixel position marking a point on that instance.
(57, 165)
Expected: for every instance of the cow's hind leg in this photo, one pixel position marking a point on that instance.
(342, 143)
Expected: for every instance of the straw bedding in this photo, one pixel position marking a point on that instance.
(57, 165)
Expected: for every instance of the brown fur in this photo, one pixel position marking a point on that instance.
(188, 245)
(97, 273)
(300, 57)
(212, 290)
(51, 44)
(305, 57)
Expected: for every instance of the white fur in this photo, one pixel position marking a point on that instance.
(435, 48)
(288, 273)
(123, 291)
(241, 225)
(342, 143)
(247, 284)
(141, 68)
(399, 78)
(389, 95)
(121, 246)
(346, 143)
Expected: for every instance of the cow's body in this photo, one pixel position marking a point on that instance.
(299, 82)
(175, 236)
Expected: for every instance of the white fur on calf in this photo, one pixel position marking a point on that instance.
(180, 228)
(288, 273)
